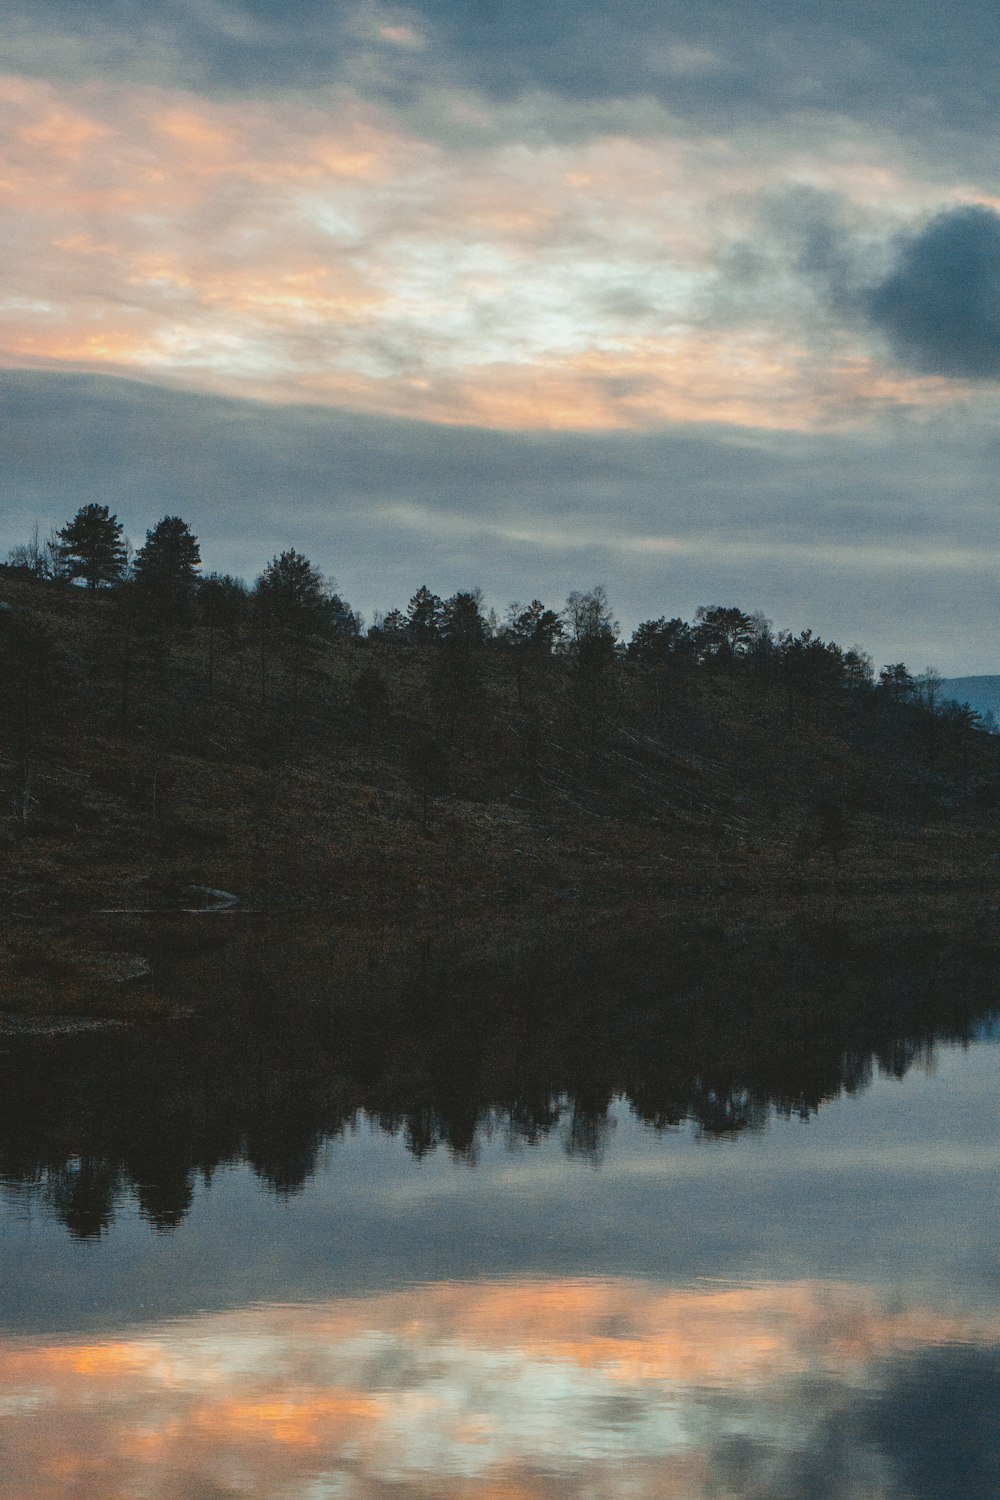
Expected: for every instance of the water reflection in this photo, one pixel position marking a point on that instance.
(567, 1340)
(521, 1389)
(723, 1033)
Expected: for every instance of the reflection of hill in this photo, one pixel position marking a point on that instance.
(720, 1032)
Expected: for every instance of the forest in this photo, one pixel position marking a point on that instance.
(167, 731)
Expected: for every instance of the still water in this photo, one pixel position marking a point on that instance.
(754, 1286)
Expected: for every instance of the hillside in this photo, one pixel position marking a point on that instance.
(448, 792)
(980, 693)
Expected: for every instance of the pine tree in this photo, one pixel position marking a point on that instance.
(424, 613)
(462, 621)
(166, 568)
(91, 546)
(293, 593)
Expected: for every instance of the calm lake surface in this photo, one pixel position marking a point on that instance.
(647, 1273)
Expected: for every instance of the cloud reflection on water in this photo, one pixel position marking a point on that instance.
(525, 1388)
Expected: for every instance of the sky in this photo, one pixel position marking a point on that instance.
(697, 300)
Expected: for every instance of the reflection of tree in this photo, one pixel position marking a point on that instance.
(83, 1192)
(164, 1181)
(588, 1126)
(282, 1145)
(718, 1032)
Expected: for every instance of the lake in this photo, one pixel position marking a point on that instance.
(712, 1223)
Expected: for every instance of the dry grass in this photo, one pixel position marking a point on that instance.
(551, 821)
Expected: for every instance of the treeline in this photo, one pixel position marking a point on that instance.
(162, 708)
(163, 590)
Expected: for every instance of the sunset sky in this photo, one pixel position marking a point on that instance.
(699, 300)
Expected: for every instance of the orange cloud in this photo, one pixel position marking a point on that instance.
(288, 252)
(194, 130)
(474, 1390)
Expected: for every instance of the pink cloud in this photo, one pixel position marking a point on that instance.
(337, 255)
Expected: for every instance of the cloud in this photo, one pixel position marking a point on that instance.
(611, 224)
(709, 60)
(940, 305)
(337, 253)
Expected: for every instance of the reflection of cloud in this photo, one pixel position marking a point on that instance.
(462, 1390)
(345, 255)
(938, 1420)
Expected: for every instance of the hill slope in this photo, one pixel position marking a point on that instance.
(439, 790)
(980, 693)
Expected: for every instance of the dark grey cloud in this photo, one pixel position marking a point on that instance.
(940, 305)
(845, 533)
(777, 54)
(903, 63)
(932, 293)
(811, 254)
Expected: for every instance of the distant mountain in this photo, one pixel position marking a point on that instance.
(980, 693)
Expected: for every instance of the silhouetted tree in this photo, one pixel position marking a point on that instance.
(663, 649)
(928, 688)
(964, 723)
(661, 642)
(293, 594)
(222, 604)
(592, 636)
(294, 601)
(462, 622)
(223, 601)
(91, 546)
(31, 556)
(532, 634)
(927, 692)
(723, 632)
(166, 571)
(341, 619)
(859, 675)
(424, 615)
(392, 627)
(588, 617)
(896, 681)
(535, 627)
(595, 678)
(810, 665)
